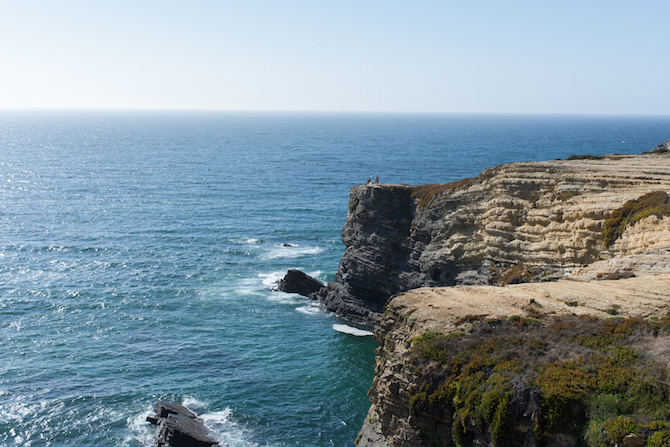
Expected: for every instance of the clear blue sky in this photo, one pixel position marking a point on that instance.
(472, 56)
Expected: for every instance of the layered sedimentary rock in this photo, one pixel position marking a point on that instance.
(527, 246)
(520, 222)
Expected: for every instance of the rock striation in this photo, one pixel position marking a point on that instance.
(527, 247)
(515, 223)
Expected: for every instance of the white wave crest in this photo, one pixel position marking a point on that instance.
(194, 404)
(269, 280)
(226, 431)
(140, 430)
(318, 274)
(351, 330)
(312, 308)
(286, 298)
(284, 251)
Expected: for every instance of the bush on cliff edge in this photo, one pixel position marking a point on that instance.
(585, 377)
(656, 203)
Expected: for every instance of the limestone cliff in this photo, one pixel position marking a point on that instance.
(520, 349)
(520, 222)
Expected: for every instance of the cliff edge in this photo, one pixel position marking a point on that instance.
(527, 306)
(516, 223)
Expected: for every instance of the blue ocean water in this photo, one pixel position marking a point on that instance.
(138, 251)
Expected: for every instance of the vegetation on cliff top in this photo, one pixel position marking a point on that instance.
(656, 203)
(506, 380)
(585, 157)
(426, 194)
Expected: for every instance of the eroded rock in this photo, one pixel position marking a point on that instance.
(177, 426)
(296, 281)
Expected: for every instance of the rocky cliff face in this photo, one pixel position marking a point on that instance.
(521, 222)
(520, 348)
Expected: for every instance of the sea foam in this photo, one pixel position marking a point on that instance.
(351, 330)
(288, 251)
(227, 431)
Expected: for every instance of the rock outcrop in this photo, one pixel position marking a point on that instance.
(663, 147)
(395, 418)
(507, 283)
(177, 426)
(520, 222)
(296, 281)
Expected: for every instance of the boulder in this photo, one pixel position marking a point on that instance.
(179, 427)
(299, 282)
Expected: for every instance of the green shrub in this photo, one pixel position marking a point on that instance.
(605, 406)
(655, 203)
(659, 439)
(466, 381)
(617, 428)
(658, 425)
(353, 204)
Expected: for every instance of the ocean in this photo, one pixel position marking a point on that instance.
(139, 251)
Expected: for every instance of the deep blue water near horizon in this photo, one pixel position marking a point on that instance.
(138, 251)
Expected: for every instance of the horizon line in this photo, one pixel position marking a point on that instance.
(323, 112)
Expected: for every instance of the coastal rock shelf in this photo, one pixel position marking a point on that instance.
(520, 222)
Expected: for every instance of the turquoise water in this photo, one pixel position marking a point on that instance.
(138, 253)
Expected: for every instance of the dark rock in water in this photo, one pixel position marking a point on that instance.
(179, 427)
(299, 282)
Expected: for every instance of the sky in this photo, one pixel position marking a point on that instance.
(420, 56)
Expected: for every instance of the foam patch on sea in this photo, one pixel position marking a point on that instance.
(312, 308)
(288, 251)
(345, 329)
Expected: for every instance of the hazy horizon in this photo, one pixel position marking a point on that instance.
(572, 58)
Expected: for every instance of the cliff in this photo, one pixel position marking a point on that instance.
(520, 222)
(530, 305)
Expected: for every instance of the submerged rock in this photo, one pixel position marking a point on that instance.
(299, 282)
(179, 427)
